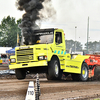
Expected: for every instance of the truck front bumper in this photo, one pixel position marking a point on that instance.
(26, 65)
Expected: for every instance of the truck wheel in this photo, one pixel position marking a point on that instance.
(84, 74)
(54, 72)
(20, 73)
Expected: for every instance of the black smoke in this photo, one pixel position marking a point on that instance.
(31, 8)
(33, 12)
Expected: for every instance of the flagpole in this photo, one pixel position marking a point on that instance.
(87, 34)
(17, 39)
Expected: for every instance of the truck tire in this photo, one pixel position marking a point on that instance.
(84, 74)
(20, 74)
(54, 72)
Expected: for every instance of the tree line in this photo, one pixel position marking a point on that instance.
(9, 30)
(92, 46)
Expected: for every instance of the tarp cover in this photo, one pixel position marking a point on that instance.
(11, 50)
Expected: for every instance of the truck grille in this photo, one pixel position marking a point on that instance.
(24, 55)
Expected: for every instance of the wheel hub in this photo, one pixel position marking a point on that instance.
(56, 69)
(84, 72)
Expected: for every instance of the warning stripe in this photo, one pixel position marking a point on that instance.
(60, 52)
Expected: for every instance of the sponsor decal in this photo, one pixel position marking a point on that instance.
(44, 33)
(59, 46)
(71, 66)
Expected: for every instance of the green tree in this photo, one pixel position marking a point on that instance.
(93, 46)
(70, 44)
(8, 31)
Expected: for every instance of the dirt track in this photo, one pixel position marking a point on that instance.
(13, 89)
(4, 67)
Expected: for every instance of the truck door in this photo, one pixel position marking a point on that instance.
(59, 48)
(58, 43)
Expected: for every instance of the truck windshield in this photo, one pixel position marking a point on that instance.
(46, 39)
(40, 38)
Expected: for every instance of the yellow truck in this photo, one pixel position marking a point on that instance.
(48, 55)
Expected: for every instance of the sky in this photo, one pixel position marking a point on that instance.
(69, 14)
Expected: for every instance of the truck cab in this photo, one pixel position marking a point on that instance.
(45, 52)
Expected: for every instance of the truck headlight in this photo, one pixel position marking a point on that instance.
(12, 60)
(42, 58)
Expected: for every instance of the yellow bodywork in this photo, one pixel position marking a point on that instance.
(67, 62)
(31, 64)
(74, 65)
